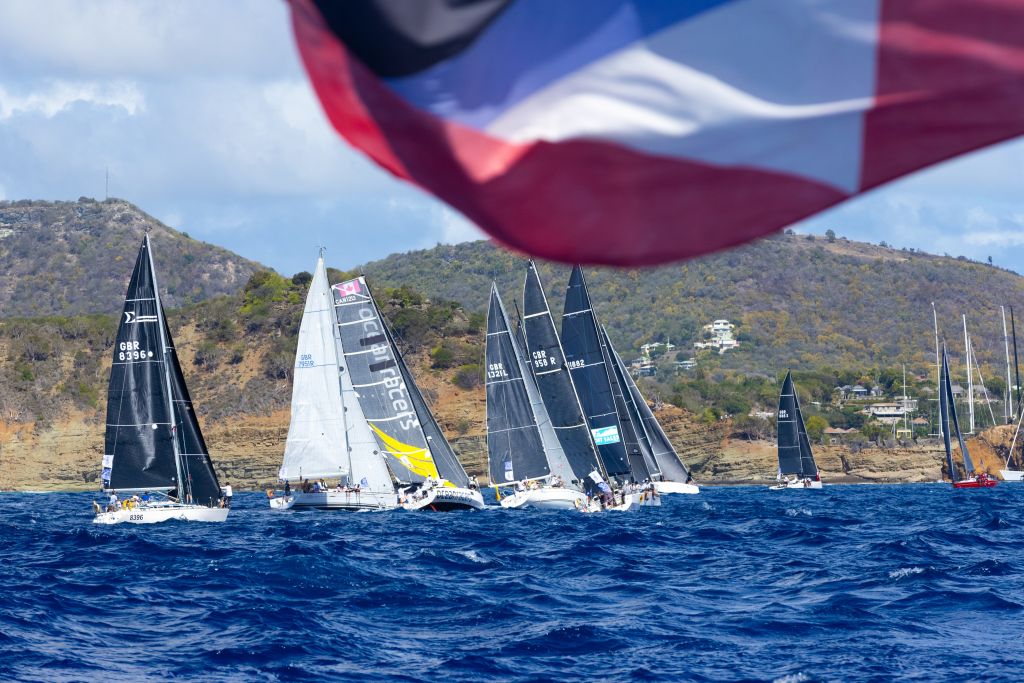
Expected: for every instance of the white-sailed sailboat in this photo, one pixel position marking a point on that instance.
(154, 452)
(523, 450)
(797, 469)
(328, 436)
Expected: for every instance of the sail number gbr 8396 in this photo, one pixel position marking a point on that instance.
(130, 350)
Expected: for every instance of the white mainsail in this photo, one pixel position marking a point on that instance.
(316, 445)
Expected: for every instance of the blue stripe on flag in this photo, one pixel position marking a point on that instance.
(532, 44)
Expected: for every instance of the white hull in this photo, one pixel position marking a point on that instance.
(336, 500)
(634, 501)
(446, 498)
(1011, 475)
(548, 498)
(162, 513)
(664, 487)
(796, 484)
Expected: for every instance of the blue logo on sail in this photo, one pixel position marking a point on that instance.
(605, 435)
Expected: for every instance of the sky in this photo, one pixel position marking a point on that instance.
(202, 115)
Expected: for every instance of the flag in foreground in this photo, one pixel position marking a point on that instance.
(641, 131)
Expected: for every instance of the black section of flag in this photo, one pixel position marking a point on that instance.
(402, 37)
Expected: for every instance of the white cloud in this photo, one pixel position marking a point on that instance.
(146, 38)
(457, 228)
(57, 95)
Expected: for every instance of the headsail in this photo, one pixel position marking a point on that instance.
(544, 351)
(585, 356)
(794, 448)
(153, 440)
(392, 404)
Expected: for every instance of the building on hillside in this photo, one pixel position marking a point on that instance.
(886, 413)
(836, 435)
(858, 391)
(654, 347)
(688, 364)
(718, 335)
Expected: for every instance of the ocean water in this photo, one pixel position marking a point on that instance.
(852, 583)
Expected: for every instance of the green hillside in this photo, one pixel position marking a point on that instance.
(69, 258)
(799, 301)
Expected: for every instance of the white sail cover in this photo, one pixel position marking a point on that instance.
(316, 445)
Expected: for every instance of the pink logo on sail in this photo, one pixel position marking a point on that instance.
(348, 288)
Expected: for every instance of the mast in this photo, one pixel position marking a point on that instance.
(970, 377)
(906, 402)
(938, 362)
(1008, 405)
(169, 396)
(1016, 364)
(945, 398)
(981, 380)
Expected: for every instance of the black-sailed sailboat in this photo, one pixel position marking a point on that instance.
(948, 420)
(523, 450)
(797, 469)
(559, 392)
(674, 475)
(156, 466)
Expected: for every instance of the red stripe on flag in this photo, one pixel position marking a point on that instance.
(950, 80)
(577, 201)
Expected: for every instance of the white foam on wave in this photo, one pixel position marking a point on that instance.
(471, 555)
(905, 571)
(707, 506)
(792, 678)
(798, 512)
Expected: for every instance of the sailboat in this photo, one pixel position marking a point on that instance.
(153, 444)
(554, 375)
(428, 475)
(328, 436)
(948, 420)
(797, 469)
(623, 425)
(523, 450)
(674, 476)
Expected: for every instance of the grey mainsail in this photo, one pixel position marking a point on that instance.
(153, 440)
(587, 362)
(391, 402)
(668, 462)
(794, 448)
(544, 352)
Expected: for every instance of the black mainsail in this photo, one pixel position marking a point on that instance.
(588, 363)
(153, 440)
(544, 350)
(947, 415)
(515, 451)
(794, 448)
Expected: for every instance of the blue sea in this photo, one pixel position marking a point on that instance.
(852, 583)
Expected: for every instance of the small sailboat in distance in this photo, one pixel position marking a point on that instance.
(948, 420)
(797, 469)
(154, 450)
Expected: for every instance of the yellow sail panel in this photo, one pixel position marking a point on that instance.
(416, 460)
